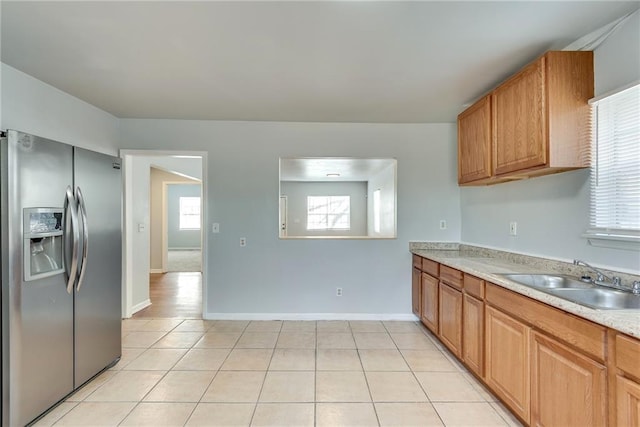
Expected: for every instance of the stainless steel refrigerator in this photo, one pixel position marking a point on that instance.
(61, 233)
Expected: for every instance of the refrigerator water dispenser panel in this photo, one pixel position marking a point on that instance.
(43, 234)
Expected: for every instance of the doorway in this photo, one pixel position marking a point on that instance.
(150, 288)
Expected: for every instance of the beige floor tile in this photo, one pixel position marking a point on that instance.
(415, 341)
(248, 359)
(401, 326)
(96, 414)
(366, 326)
(345, 415)
(134, 324)
(128, 355)
(283, 415)
(373, 340)
(420, 414)
(202, 359)
(293, 359)
(55, 414)
(264, 326)
(91, 386)
(428, 360)
(382, 360)
(333, 326)
(478, 414)
(178, 340)
(141, 339)
(257, 340)
(229, 325)
(506, 415)
(159, 414)
(395, 387)
(194, 325)
(479, 387)
(336, 340)
(156, 359)
(298, 326)
(297, 340)
(236, 386)
(181, 386)
(215, 339)
(221, 415)
(164, 325)
(126, 386)
(282, 387)
(342, 386)
(338, 360)
(447, 387)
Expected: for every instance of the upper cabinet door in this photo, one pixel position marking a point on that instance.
(520, 126)
(474, 142)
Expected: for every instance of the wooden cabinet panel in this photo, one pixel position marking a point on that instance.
(627, 402)
(473, 286)
(628, 355)
(450, 316)
(567, 388)
(507, 360)
(417, 261)
(474, 142)
(429, 305)
(415, 291)
(451, 276)
(430, 267)
(473, 333)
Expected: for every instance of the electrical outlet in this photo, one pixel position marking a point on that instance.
(338, 292)
(243, 242)
(513, 228)
(443, 224)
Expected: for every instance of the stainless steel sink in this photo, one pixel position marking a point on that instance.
(599, 298)
(574, 290)
(548, 281)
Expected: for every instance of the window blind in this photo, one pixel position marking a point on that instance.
(615, 177)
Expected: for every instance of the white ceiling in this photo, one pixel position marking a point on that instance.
(355, 61)
(317, 169)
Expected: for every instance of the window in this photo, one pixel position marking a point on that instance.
(189, 213)
(376, 211)
(615, 176)
(328, 212)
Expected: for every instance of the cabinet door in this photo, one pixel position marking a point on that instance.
(415, 291)
(507, 360)
(568, 389)
(474, 142)
(473, 333)
(520, 123)
(627, 402)
(430, 302)
(451, 318)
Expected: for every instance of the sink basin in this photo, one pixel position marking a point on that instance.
(608, 299)
(548, 281)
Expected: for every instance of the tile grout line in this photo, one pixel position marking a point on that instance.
(364, 373)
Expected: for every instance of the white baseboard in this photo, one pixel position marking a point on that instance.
(141, 306)
(156, 270)
(310, 316)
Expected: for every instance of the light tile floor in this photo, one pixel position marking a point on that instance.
(177, 372)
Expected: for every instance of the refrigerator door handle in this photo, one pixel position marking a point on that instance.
(82, 209)
(70, 207)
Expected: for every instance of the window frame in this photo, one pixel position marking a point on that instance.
(327, 213)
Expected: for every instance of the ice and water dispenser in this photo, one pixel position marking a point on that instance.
(43, 229)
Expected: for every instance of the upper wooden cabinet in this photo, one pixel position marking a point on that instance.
(535, 123)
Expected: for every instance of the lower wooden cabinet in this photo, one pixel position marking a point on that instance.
(567, 388)
(627, 402)
(507, 360)
(450, 318)
(473, 333)
(415, 291)
(429, 302)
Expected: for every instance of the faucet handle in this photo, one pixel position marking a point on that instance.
(599, 276)
(635, 287)
(616, 280)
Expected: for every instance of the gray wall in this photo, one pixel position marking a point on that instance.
(297, 193)
(553, 211)
(271, 275)
(180, 239)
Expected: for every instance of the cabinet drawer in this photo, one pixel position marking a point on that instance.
(474, 286)
(417, 262)
(628, 355)
(430, 267)
(451, 276)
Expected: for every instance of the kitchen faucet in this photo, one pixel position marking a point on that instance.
(609, 282)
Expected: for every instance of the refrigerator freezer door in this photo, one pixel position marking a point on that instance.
(37, 337)
(98, 301)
